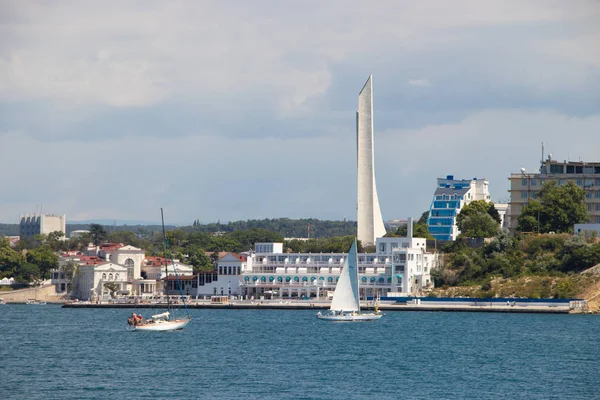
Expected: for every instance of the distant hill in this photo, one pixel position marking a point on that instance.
(114, 222)
(286, 227)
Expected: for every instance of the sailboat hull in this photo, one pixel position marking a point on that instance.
(162, 326)
(349, 318)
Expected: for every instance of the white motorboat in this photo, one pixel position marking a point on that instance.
(345, 306)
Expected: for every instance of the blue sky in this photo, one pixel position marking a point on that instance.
(238, 110)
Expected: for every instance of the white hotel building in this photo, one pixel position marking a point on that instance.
(400, 266)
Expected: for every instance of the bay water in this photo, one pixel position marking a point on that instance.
(49, 352)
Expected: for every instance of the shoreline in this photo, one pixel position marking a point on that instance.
(324, 306)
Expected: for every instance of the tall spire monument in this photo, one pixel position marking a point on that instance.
(370, 222)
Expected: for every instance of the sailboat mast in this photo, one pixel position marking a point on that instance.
(162, 218)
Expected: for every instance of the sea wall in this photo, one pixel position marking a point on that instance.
(43, 293)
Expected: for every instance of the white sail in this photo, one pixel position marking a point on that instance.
(345, 296)
(164, 315)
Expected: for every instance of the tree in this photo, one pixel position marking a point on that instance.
(44, 258)
(199, 260)
(419, 228)
(480, 225)
(27, 272)
(10, 259)
(70, 270)
(478, 207)
(98, 233)
(54, 240)
(112, 287)
(558, 209)
(423, 218)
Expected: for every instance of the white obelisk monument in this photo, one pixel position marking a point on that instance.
(370, 222)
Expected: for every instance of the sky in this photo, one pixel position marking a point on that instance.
(234, 110)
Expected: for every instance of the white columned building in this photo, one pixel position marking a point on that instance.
(370, 222)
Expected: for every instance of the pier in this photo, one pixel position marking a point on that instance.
(323, 305)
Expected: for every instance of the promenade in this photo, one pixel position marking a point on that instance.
(323, 305)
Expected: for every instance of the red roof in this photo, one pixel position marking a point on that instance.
(155, 261)
(110, 246)
(222, 254)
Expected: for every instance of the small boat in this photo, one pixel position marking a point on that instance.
(159, 322)
(345, 306)
(165, 321)
(35, 302)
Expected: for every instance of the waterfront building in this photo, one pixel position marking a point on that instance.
(128, 256)
(369, 222)
(587, 230)
(143, 275)
(78, 233)
(399, 265)
(91, 280)
(7, 281)
(42, 224)
(450, 196)
(154, 268)
(525, 186)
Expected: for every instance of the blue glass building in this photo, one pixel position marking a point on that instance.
(450, 196)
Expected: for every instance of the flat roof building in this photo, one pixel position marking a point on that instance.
(42, 224)
(525, 186)
(450, 196)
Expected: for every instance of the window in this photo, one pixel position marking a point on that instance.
(597, 206)
(589, 206)
(598, 220)
(533, 182)
(523, 195)
(382, 247)
(110, 277)
(116, 277)
(533, 195)
(523, 182)
(103, 276)
(579, 181)
(560, 182)
(570, 169)
(556, 169)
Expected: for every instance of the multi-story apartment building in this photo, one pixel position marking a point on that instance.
(450, 196)
(42, 224)
(525, 186)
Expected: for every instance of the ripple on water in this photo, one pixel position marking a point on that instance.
(53, 353)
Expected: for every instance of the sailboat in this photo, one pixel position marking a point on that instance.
(345, 305)
(165, 321)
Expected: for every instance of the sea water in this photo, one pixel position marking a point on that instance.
(49, 352)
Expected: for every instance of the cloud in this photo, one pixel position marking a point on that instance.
(248, 110)
(419, 82)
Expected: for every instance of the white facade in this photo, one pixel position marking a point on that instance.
(450, 196)
(587, 230)
(399, 265)
(128, 256)
(78, 233)
(7, 281)
(157, 272)
(369, 221)
(42, 224)
(91, 279)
